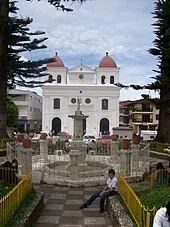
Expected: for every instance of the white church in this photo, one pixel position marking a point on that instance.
(94, 87)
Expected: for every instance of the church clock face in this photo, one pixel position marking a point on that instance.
(81, 76)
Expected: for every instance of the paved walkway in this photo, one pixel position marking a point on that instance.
(62, 208)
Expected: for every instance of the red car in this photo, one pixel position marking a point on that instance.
(105, 139)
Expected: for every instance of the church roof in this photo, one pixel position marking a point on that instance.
(56, 63)
(107, 62)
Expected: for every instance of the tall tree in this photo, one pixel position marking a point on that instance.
(10, 70)
(16, 38)
(162, 81)
(4, 38)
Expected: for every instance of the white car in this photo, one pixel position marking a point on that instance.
(88, 138)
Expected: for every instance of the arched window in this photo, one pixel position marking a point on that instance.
(103, 79)
(56, 103)
(112, 80)
(50, 79)
(104, 104)
(59, 79)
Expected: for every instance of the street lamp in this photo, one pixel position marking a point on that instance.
(35, 126)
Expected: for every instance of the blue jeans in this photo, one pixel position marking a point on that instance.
(102, 198)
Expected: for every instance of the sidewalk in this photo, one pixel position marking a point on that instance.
(62, 208)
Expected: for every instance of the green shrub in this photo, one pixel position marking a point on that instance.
(155, 197)
(3, 142)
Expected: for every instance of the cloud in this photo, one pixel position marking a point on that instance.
(124, 30)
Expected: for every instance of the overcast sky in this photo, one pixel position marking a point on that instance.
(121, 27)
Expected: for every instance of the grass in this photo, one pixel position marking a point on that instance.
(5, 188)
(155, 197)
(18, 215)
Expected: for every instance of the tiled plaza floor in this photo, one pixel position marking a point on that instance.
(62, 208)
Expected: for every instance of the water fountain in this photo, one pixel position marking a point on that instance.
(76, 168)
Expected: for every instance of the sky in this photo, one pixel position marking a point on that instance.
(123, 28)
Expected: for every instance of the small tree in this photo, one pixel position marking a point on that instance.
(12, 114)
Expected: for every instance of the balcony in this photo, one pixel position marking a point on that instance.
(142, 110)
(142, 121)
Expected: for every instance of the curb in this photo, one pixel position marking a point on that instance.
(117, 214)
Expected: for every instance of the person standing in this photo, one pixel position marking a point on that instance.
(109, 190)
(162, 217)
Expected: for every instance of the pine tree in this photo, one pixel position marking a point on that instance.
(12, 69)
(162, 80)
(17, 39)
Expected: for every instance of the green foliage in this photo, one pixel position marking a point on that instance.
(21, 39)
(153, 197)
(158, 147)
(3, 142)
(5, 188)
(17, 217)
(60, 4)
(12, 113)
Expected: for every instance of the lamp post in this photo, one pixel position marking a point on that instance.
(35, 126)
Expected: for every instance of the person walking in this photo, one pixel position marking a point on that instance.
(109, 190)
(162, 217)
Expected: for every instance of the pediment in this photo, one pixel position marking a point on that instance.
(81, 68)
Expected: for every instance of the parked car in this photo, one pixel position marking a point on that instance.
(88, 138)
(105, 139)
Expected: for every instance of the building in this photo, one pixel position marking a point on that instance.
(143, 115)
(124, 113)
(30, 109)
(96, 88)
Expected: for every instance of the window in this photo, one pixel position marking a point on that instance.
(50, 79)
(73, 100)
(59, 79)
(30, 109)
(112, 80)
(56, 103)
(88, 100)
(103, 79)
(104, 104)
(157, 116)
(146, 118)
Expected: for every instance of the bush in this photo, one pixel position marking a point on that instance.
(153, 197)
(3, 142)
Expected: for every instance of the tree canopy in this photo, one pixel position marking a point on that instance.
(12, 114)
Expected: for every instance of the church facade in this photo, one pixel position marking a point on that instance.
(96, 90)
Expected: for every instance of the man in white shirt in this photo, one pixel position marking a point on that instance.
(162, 217)
(109, 190)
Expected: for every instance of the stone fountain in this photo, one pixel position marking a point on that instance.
(76, 168)
(77, 146)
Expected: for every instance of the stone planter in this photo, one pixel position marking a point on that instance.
(20, 138)
(125, 144)
(114, 137)
(135, 139)
(43, 136)
(26, 143)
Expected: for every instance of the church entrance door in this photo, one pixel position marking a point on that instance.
(104, 126)
(56, 125)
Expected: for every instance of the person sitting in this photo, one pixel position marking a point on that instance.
(162, 217)
(109, 190)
